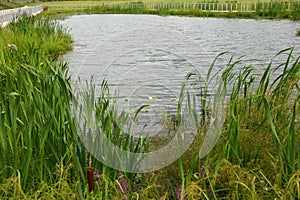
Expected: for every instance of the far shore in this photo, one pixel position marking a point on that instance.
(191, 8)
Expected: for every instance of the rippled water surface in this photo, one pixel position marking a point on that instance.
(146, 58)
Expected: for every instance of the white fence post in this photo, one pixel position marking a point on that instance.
(6, 16)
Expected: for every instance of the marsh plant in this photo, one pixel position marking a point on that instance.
(99, 124)
(258, 152)
(37, 132)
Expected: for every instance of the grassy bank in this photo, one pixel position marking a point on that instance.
(41, 156)
(9, 5)
(262, 9)
(35, 124)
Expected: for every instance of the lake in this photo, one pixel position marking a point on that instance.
(145, 58)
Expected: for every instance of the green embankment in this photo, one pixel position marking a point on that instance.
(8, 5)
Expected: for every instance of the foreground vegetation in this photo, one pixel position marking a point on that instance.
(41, 157)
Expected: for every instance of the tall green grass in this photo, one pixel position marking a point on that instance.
(97, 121)
(257, 155)
(41, 155)
(37, 129)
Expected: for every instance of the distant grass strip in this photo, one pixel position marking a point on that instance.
(9, 5)
(261, 9)
(89, 3)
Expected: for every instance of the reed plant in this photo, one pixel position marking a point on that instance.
(98, 121)
(295, 11)
(257, 155)
(278, 9)
(37, 129)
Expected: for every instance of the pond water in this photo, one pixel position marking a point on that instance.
(146, 58)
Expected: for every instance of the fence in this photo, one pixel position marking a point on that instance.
(208, 6)
(6, 16)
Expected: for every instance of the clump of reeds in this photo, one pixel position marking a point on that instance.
(258, 152)
(36, 128)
